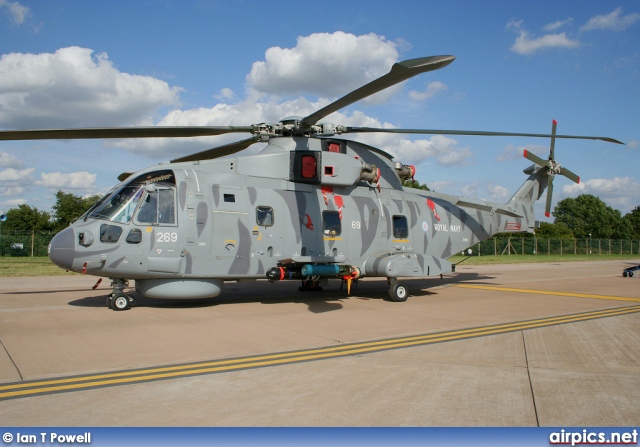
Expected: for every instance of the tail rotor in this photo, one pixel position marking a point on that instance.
(552, 168)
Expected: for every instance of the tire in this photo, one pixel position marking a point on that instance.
(625, 274)
(398, 292)
(631, 274)
(120, 301)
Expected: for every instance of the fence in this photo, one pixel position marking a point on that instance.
(24, 243)
(546, 246)
(34, 243)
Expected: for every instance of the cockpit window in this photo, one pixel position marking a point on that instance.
(120, 205)
(158, 207)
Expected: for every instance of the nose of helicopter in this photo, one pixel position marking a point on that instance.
(61, 248)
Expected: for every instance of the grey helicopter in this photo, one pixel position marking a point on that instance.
(309, 207)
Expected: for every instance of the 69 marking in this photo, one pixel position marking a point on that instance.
(166, 237)
(355, 224)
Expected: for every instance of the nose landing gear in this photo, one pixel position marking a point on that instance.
(118, 300)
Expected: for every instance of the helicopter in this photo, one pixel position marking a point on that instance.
(309, 207)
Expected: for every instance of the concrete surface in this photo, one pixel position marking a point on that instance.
(583, 373)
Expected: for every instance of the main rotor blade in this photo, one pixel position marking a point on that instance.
(400, 71)
(474, 133)
(217, 152)
(120, 132)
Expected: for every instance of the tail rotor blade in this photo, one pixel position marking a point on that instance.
(534, 158)
(570, 175)
(547, 208)
(553, 140)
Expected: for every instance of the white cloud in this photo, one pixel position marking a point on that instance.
(12, 191)
(12, 175)
(72, 88)
(12, 203)
(432, 88)
(13, 182)
(526, 43)
(512, 152)
(75, 88)
(471, 190)
(323, 64)
(498, 193)
(621, 193)
(557, 25)
(614, 21)
(9, 161)
(16, 11)
(442, 148)
(226, 94)
(75, 180)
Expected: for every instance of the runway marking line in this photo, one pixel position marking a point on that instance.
(545, 292)
(92, 381)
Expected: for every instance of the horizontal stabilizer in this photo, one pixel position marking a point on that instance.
(506, 212)
(475, 204)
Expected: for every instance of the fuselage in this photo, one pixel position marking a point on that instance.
(301, 200)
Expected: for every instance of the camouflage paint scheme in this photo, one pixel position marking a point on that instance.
(216, 239)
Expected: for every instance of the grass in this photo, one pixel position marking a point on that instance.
(42, 266)
(522, 259)
(26, 266)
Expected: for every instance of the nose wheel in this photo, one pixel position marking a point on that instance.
(118, 300)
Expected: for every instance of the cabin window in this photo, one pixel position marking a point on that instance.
(400, 227)
(134, 236)
(229, 198)
(109, 234)
(331, 223)
(264, 216)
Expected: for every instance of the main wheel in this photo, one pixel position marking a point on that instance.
(632, 274)
(120, 301)
(398, 292)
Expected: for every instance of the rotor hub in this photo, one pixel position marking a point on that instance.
(554, 168)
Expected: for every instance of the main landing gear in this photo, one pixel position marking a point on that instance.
(118, 300)
(398, 290)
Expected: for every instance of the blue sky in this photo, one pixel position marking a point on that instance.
(519, 65)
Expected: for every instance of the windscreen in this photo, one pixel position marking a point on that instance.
(120, 205)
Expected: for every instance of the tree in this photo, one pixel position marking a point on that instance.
(70, 207)
(26, 218)
(633, 219)
(588, 216)
(411, 183)
(554, 231)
